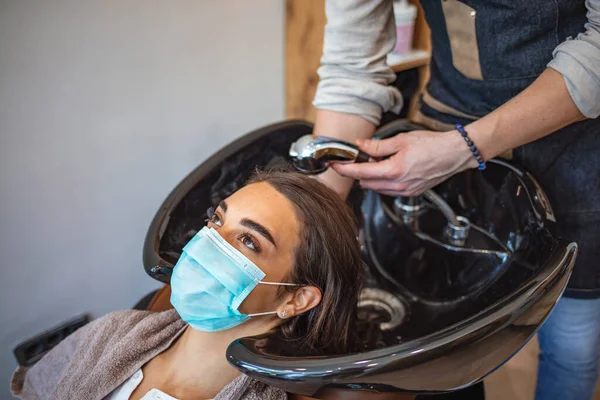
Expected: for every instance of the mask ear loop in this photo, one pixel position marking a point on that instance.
(273, 284)
(262, 313)
(281, 315)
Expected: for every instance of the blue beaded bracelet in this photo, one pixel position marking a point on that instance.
(461, 130)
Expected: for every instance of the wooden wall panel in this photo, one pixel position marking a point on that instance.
(304, 28)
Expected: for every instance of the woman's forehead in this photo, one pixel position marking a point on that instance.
(257, 194)
(262, 202)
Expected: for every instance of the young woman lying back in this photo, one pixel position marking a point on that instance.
(279, 254)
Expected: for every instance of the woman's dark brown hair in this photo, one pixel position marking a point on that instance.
(327, 257)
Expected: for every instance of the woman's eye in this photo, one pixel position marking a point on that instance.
(249, 242)
(216, 220)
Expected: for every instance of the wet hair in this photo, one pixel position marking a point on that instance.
(328, 257)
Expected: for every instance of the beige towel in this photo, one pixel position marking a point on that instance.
(97, 358)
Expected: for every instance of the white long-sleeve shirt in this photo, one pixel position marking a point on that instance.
(354, 75)
(126, 389)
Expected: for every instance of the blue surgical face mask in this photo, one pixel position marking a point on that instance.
(210, 281)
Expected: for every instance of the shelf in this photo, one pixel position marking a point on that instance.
(413, 59)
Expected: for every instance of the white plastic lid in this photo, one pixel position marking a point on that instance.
(404, 12)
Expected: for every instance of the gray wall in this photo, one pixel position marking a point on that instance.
(104, 107)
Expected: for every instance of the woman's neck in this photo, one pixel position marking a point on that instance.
(196, 365)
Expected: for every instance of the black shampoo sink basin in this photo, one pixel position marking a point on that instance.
(434, 315)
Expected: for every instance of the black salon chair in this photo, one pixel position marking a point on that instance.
(433, 306)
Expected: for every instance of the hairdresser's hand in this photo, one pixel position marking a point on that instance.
(419, 160)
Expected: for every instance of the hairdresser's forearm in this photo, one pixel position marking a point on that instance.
(539, 110)
(348, 127)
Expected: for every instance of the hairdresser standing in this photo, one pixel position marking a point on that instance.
(522, 78)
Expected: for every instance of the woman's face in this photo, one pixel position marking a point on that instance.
(261, 223)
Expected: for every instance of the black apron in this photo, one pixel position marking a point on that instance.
(486, 52)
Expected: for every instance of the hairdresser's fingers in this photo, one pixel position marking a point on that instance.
(403, 193)
(413, 187)
(380, 148)
(393, 193)
(380, 185)
(368, 170)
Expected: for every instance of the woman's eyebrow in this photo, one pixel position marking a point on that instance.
(223, 205)
(255, 226)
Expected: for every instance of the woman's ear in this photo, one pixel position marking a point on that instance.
(302, 300)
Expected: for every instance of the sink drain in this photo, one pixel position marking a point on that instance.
(376, 306)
